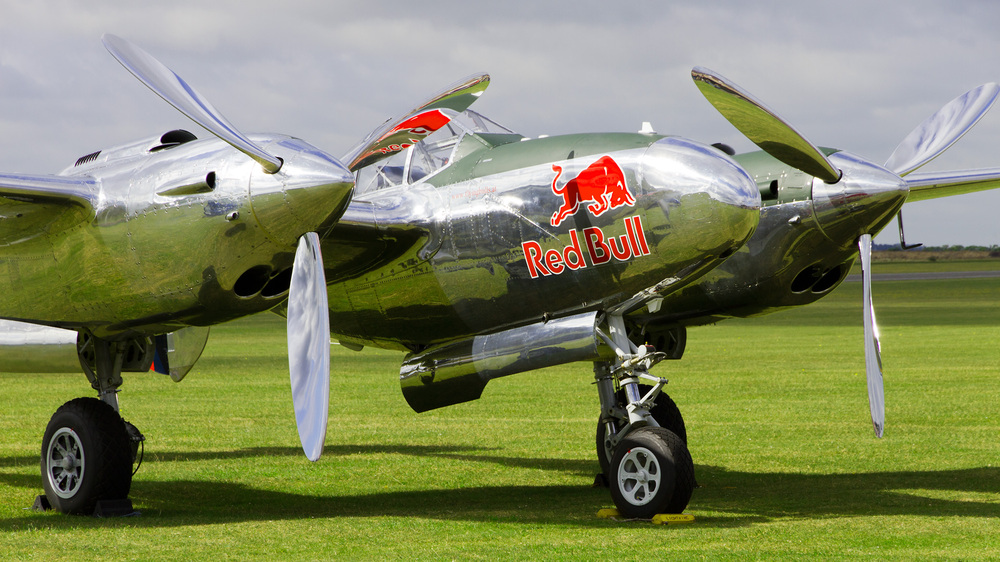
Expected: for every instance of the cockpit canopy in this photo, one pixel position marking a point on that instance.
(426, 157)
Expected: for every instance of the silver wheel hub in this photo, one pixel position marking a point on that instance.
(639, 476)
(64, 463)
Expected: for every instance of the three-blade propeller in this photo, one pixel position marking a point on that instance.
(779, 139)
(308, 310)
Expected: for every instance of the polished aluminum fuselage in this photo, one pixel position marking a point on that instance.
(145, 239)
(472, 249)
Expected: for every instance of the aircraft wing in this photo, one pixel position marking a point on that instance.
(70, 190)
(33, 204)
(932, 185)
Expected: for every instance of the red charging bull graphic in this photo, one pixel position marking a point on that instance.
(602, 183)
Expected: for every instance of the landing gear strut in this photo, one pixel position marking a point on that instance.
(641, 438)
(88, 449)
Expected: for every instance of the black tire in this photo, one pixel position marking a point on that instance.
(664, 411)
(652, 473)
(86, 456)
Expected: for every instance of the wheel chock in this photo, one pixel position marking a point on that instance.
(672, 518)
(104, 508)
(41, 504)
(115, 508)
(659, 519)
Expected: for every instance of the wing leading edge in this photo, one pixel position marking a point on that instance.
(82, 191)
(33, 205)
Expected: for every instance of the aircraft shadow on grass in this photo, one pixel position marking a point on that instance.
(736, 498)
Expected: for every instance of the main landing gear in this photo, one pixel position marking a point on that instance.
(88, 449)
(641, 438)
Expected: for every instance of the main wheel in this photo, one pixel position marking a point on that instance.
(86, 456)
(652, 473)
(664, 411)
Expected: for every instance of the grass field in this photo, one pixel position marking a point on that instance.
(777, 417)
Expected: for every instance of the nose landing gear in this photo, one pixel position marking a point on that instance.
(641, 438)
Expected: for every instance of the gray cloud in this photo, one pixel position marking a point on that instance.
(854, 75)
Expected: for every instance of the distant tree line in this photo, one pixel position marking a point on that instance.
(956, 248)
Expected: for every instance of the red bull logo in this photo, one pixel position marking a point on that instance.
(602, 183)
(599, 248)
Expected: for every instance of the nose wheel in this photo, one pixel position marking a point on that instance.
(664, 411)
(641, 437)
(652, 473)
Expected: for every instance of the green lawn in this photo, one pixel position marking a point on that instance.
(924, 266)
(777, 416)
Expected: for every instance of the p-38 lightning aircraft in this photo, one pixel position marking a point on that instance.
(478, 252)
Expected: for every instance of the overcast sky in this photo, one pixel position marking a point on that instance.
(853, 75)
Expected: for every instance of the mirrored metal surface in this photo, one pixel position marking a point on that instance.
(130, 259)
(177, 352)
(863, 202)
(763, 126)
(931, 185)
(309, 346)
(459, 371)
(873, 351)
(941, 130)
(477, 242)
(178, 93)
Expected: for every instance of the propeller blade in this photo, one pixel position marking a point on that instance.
(941, 130)
(175, 91)
(762, 126)
(400, 133)
(309, 345)
(873, 353)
